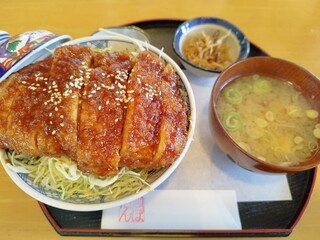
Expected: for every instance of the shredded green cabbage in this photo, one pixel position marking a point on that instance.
(62, 175)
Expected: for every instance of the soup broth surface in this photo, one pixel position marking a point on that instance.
(270, 119)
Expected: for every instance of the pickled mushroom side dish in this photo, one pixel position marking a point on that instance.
(93, 122)
(206, 50)
(270, 119)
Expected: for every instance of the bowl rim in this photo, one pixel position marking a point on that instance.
(187, 25)
(114, 30)
(275, 168)
(84, 207)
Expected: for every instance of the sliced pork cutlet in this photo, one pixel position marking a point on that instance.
(22, 97)
(70, 67)
(142, 123)
(6, 101)
(102, 114)
(174, 122)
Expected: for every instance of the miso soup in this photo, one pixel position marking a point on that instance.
(270, 119)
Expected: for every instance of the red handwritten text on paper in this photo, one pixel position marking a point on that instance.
(132, 212)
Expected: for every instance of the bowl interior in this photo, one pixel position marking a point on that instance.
(209, 29)
(154, 179)
(303, 80)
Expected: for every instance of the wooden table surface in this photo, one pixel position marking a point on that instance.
(288, 29)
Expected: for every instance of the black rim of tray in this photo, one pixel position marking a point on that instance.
(274, 218)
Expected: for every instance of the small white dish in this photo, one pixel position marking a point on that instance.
(238, 45)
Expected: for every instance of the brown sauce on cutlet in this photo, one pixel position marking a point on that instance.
(104, 110)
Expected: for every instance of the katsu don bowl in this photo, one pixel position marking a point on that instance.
(100, 123)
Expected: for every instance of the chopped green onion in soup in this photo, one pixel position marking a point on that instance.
(277, 123)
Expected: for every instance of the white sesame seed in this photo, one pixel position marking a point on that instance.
(54, 132)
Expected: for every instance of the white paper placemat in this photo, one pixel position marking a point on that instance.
(176, 210)
(206, 167)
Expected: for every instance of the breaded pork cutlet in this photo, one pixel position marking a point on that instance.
(102, 114)
(22, 96)
(141, 128)
(105, 110)
(174, 119)
(70, 68)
